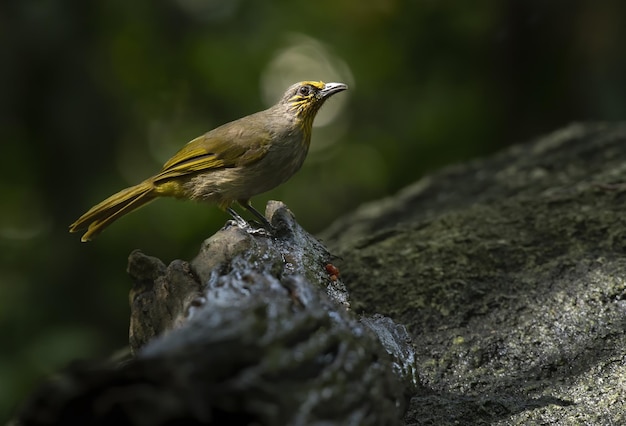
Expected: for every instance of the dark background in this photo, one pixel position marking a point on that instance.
(96, 95)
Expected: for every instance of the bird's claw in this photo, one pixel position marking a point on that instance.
(258, 231)
(246, 226)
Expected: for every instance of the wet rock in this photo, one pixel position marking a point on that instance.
(509, 274)
(254, 330)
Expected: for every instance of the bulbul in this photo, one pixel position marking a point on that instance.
(231, 163)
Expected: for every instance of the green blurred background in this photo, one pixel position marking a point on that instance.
(96, 95)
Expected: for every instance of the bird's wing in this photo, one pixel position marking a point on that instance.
(209, 152)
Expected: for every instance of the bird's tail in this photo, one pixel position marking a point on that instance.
(117, 205)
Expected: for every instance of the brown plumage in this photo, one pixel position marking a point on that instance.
(233, 162)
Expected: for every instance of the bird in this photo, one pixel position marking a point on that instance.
(229, 164)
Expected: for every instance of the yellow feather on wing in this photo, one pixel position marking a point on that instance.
(206, 153)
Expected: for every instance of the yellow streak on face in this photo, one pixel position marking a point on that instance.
(317, 84)
(307, 106)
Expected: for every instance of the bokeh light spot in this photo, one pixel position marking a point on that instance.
(305, 58)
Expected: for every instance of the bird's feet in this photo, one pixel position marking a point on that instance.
(250, 229)
(264, 230)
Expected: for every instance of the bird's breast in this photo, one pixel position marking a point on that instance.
(283, 159)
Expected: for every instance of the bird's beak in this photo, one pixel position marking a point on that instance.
(332, 88)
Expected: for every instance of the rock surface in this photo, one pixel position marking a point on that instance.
(510, 274)
(255, 330)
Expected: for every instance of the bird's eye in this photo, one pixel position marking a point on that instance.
(304, 91)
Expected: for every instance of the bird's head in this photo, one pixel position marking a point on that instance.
(305, 98)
